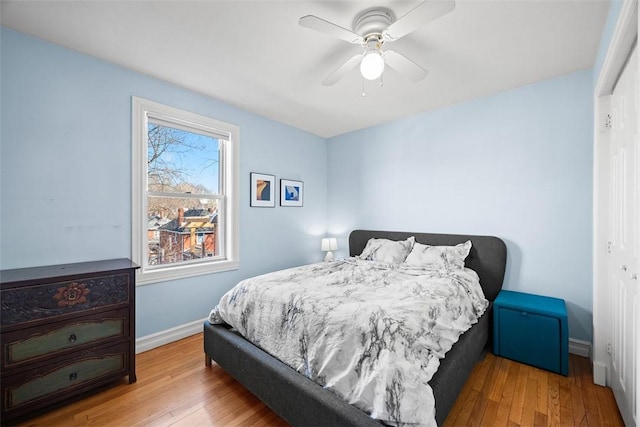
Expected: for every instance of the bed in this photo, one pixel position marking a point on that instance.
(301, 401)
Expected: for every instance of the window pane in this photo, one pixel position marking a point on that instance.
(179, 161)
(182, 230)
(185, 204)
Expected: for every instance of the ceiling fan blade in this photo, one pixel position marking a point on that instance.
(425, 12)
(347, 66)
(404, 65)
(323, 26)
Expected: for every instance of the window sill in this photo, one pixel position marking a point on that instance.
(181, 272)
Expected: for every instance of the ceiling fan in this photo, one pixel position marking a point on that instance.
(372, 28)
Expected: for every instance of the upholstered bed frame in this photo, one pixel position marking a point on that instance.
(301, 402)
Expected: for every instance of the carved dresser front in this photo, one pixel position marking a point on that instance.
(66, 330)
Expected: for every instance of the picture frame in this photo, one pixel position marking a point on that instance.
(263, 190)
(291, 192)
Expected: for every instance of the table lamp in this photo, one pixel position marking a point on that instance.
(329, 244)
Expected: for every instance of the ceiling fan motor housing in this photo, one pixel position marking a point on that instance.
(372, 22)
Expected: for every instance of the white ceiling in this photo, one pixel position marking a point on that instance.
(253, 54)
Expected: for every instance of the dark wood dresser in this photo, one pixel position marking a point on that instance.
(66, 330)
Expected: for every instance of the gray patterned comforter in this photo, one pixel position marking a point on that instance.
(372, 333)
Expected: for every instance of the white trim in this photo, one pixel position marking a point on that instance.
(184, 271)
(600, 374)
(149, 342)
(624, 36)
(622, 40)
(580, 347)
(167, 336)
(141, 110)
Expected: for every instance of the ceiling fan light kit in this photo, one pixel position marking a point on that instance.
(372, 64)
(371, 29)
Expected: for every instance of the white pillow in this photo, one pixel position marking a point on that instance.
(387, 251)
(438, 257)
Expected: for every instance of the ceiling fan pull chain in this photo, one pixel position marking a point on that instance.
(363, 93)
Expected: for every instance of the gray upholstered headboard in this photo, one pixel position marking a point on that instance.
(488, 256)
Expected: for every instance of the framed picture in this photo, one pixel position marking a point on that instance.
(263, 190)
(291, 192)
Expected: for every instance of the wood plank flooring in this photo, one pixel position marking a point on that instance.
(174, 388)
(501, 392)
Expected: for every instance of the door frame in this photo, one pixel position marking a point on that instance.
(624, 37)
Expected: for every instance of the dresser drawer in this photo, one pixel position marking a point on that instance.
(64, 379)
(30, 344)
(26, 304)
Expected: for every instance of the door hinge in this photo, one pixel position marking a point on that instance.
(609, 247)
(608, 121)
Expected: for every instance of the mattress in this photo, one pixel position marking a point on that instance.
(371, 333)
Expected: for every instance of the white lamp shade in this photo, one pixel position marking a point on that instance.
(372, 65)
(329, 244)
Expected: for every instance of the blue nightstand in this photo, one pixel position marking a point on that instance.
(531, 329)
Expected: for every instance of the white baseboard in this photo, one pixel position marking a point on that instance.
(580, 347)
(167, 336)
(599, 374)
(148, 342)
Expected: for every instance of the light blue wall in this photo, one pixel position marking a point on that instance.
(65, 175)
(517, 165)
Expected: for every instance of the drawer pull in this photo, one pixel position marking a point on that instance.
(73, 338)
(73, 376)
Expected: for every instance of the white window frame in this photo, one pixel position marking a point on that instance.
(142, 109)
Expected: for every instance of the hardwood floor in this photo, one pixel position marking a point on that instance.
(501, 392)
(174, 388)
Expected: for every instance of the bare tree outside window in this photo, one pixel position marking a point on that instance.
(184, 193)
(180, 165)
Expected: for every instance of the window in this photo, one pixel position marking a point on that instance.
(185, 193)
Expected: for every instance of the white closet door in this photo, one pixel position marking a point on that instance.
(625, 240)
